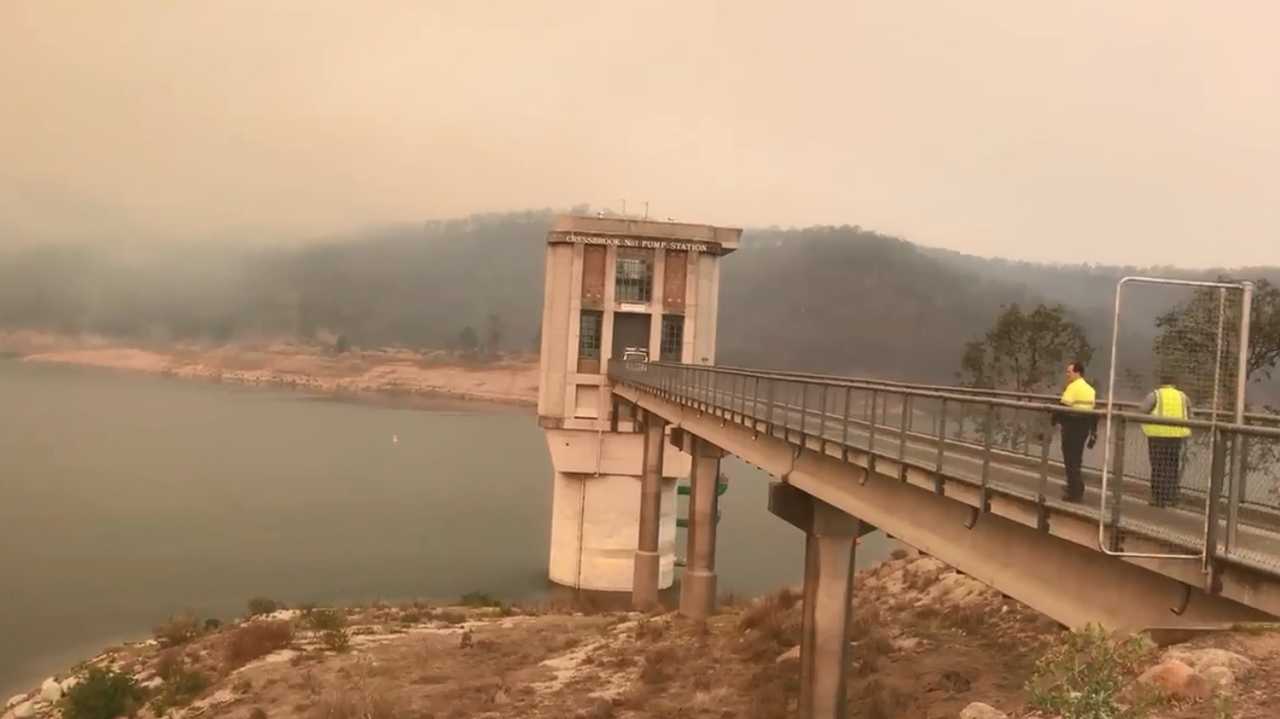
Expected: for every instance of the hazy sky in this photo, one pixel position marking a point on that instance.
(1091, 130)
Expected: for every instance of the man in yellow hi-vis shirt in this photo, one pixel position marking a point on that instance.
(1076, 429)
(1164, 441)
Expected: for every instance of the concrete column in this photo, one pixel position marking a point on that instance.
(698, 587)
(830, 541)
(644, 588)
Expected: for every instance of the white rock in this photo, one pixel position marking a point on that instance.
(71, 683)
(1203, 659)
(15, 701)
(51, 690)
(1177, 679)
(792, 654)
(24, 710)
(1221, 678)
(908, 644)
(151, 683)
(978, 710)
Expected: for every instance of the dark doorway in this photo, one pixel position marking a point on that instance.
(630, 331)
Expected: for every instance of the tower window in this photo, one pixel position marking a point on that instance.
(590, 331)
(672, 338)
(589, 335)
(633, 278)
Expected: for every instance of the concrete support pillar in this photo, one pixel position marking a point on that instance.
(698, 587)
(644, 588)
(831, 538)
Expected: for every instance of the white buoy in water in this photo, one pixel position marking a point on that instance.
(395, 439)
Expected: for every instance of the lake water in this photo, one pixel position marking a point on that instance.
(126, 498)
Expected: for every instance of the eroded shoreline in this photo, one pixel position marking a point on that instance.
(390, 373)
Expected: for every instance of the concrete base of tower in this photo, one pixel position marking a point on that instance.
(594, 526)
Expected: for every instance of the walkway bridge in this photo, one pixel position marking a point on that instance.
(974, 478)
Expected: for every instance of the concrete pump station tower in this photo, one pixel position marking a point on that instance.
(621, 290)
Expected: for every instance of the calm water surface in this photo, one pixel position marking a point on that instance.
(126, 498)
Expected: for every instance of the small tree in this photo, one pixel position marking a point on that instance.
(1088, 674)
(495, 334)
(1191, 329)
(104, 694)
(468, 341)
(1024, 351)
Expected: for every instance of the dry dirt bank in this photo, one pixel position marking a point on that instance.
(308, 367)
(927, 643)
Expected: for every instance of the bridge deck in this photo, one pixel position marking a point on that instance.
(1000, 446)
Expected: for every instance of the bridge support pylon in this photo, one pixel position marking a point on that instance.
(831, 538)
(644, 587)
(698, 586)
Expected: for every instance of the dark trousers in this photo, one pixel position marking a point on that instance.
(1075, 432)
(1165, 454)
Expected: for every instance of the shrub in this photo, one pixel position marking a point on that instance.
(257, 713)
(180, 629)
(649, 630)
(449, 617)
(180, 688)
(259, 606)
(899, 554)
(766, 611)
(336, 640)
(326, 620)
(102, 695)
(361, 705)
(212, 625)
(657, 666)
(257, 639)
(866, 620)
(479, 599)
(884, 702)
(1083, 676)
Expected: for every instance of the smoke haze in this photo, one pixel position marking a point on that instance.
(1139, 132)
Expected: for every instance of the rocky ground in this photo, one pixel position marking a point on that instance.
(927, 643)
(313, 368)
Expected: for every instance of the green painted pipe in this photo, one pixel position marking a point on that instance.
(683, 489)
(683, 522)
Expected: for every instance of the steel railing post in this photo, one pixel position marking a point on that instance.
(903, 426)
(1214, 501)
(871, 430)
(987, 432)
(755, 403)
(938, 484)
(1235, 488)
(769, 402)
(822, 420)
(1117, 490)
(804, 410)
(844, 430)
(786, 418)
(1242, 381)
(742, 399)
(1046, 441)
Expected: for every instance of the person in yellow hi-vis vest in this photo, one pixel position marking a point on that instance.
(1164, 441)
(1077, 429)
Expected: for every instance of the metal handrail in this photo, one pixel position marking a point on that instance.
(698, 386)
(984, 391)
(1244, 429)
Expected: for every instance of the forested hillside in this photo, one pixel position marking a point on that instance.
(823, 299)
